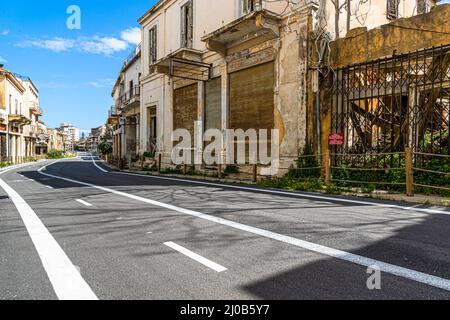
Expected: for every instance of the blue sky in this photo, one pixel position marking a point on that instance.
(74, 70)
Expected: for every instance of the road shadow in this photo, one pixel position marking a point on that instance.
(423, 247)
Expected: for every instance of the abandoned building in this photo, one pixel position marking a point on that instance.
(254, 64)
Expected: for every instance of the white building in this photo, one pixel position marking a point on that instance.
(71, 135)
(126, 96)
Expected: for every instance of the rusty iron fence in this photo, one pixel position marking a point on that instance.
(386, 105)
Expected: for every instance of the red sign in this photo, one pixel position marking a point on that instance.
(336, 139)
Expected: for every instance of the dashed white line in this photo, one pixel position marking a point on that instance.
(406, 273)
(63, 275)
(87, 204)
(188, 253)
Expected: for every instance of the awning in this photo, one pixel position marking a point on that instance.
(256, 24)
(184, 63)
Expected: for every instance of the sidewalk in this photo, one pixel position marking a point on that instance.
(418, 199)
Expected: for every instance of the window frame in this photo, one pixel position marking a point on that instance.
(153, 44)
(187, 25)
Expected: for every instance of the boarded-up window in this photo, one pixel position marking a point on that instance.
(213, 113)
(187, 24)
(252, 98)
(422, 6)
(392, 9)
(153, 39)
(185, 108)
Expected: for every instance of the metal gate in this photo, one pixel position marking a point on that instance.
(388, 104)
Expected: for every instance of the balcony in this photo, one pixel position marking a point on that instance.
(19, 119)
(36, 110)
(259, 23)
(131, 97)
(113, 117)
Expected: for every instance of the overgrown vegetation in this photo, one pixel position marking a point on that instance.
(231, 169)
(304, 176)
(55, 154)
(105, 147)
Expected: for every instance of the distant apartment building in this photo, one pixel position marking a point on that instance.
(71, 135)
(94, 138)
(125, 114)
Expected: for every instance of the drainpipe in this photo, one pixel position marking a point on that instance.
(318, 109)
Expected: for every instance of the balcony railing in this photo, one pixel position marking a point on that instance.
(133, 93)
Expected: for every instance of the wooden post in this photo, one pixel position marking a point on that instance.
(327, 168)
(159, 162)
(409, 172)
(219, 168)
(255, 173)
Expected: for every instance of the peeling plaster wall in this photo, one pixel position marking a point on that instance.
(401, 36)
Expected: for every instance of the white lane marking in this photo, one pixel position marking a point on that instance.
(98, 167)
(335, 253)
(87, 204)
(63, 275)
(49, 187)
(206, 262)
(292, 194)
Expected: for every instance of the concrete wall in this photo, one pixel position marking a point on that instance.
(370, 14)
(401, 36)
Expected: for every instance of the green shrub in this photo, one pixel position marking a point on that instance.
(105, 147)
(55, 154)
(231, 168)
(149, 154)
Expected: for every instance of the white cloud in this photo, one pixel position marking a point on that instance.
(105, 45)
(103, 83)
(94, 44)
(4, 32)
(55, 44)
(3, 60)
(131, 35)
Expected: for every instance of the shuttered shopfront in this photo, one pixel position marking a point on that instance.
(185, 108)
(252, 98)
(213, 104)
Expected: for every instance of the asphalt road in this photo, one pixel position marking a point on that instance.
(72, 229)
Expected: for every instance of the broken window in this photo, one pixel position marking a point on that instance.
(187, 25)
(423, 6)
(153, 44)
(392, 9)
(248, 6)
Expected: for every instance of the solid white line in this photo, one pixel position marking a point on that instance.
(292, 194)
(206, 262)
(63, 275)
(87, 204)
(342, 255)
(98, 167)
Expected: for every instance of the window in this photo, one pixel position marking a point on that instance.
(153, 44)
(392, 9)
(131, 89)
(187, 24)
(423, 6)
(247, 6)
